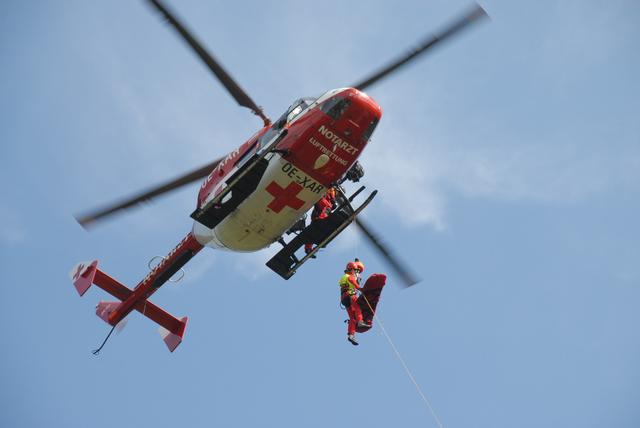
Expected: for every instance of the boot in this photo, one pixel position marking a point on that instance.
(307, 250)
(352, 338)
(362, 324)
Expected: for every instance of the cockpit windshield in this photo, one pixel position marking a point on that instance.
(335, 107)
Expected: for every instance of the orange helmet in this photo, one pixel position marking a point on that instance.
(351, 266)
(359, 265)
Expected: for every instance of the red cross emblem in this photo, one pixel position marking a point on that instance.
(284, 197)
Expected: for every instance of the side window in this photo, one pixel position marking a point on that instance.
(267, 137)
(245, 156)
(281, 122)
(335, 107)
(367, 133)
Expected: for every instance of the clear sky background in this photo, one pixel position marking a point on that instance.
(508, 165)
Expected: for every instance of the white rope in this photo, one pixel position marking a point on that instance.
(406, 368)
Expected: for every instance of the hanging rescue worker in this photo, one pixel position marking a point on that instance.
(349, 285)
(321, 211)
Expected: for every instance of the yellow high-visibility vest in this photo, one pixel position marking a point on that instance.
(345, 283)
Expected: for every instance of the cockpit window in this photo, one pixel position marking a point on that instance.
(293, 111)
(335, 107)
(298, 106)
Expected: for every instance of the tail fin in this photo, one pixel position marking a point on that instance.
(82, 275)
(173, 339)
(104, 309)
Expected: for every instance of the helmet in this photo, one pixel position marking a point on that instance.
(351, 266)
(359, 265)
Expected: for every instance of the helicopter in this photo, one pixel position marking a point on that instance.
(253, 196)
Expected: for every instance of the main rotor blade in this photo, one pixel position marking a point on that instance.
(408, 278)
(234, 89)
(90, 218)
(470, 17)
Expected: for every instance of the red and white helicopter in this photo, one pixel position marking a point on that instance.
(251, 197)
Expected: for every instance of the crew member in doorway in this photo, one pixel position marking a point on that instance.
(321, 211)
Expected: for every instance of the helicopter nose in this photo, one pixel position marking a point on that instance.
(362, 115)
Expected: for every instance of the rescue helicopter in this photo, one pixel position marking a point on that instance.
(261, 191)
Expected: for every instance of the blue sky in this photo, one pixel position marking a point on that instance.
(508, 165)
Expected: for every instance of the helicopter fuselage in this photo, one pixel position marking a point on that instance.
(319, 141)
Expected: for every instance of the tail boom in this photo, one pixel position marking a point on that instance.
(178, 257)
(172, 329)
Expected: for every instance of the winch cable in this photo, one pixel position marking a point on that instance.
(404, 364)
(97, 351)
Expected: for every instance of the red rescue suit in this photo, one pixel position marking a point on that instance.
(349, 298)
(321, 210)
